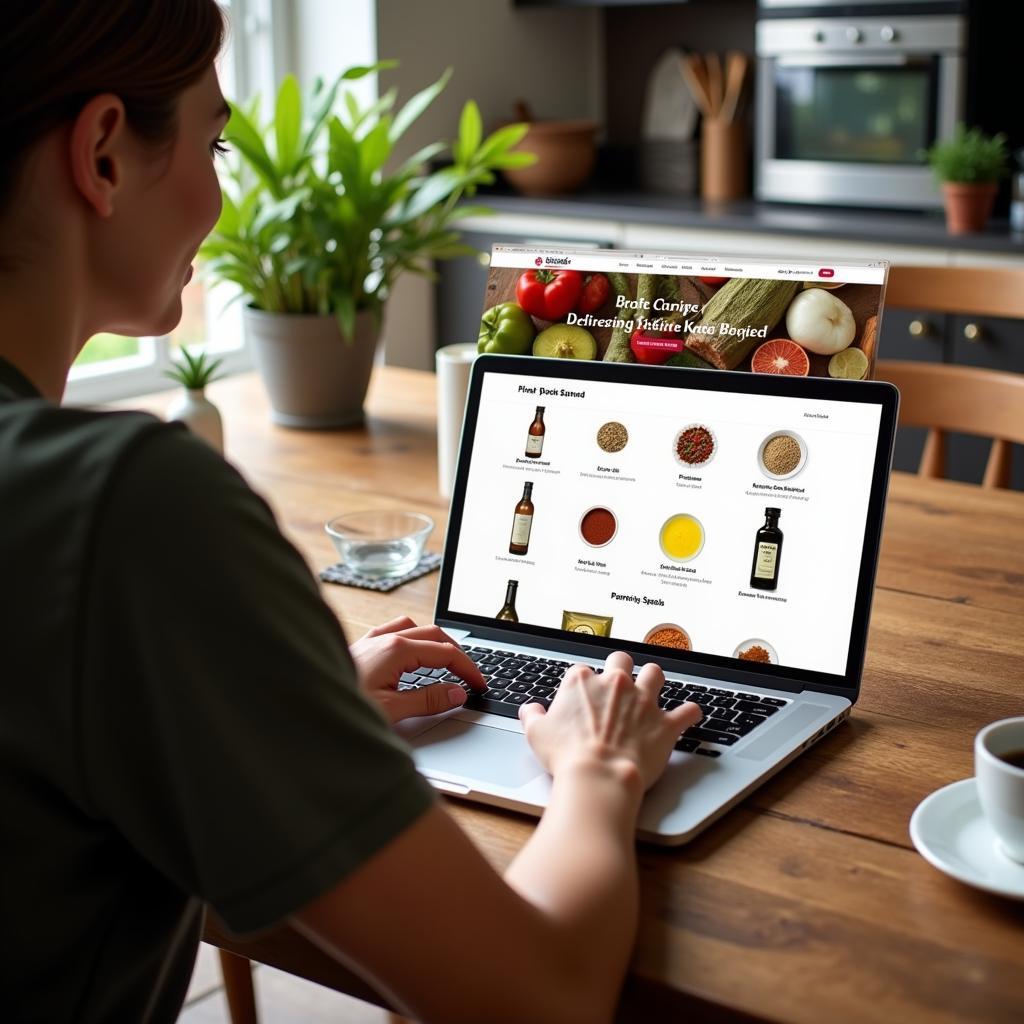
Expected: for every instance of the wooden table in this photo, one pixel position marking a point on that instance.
(808, 902)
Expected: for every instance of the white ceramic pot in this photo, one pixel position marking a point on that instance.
(200, 415)
(314, 377)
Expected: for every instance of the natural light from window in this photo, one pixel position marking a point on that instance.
(111, 366)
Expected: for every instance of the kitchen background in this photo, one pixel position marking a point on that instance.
(594, 61)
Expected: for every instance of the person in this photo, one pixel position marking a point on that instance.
(182, 724)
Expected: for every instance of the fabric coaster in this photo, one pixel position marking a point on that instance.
(341, 573)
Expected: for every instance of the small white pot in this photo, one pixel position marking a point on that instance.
(200, 415)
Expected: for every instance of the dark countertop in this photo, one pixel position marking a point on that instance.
(902, 228)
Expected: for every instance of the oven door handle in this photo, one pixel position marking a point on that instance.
(836, 60)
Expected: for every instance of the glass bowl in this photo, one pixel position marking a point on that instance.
(380, 543)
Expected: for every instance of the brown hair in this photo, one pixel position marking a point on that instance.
(55, 55)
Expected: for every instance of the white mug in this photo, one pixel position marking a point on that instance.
(1001, 784)
(454, 365)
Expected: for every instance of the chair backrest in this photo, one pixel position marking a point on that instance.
(970, 291)
(961, 399)
(964, 400)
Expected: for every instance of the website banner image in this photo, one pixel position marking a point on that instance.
(729, 524)
(720, 313)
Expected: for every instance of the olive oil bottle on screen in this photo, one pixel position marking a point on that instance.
(522, 522)
(535, 435)
(764, 572)
(508, 609)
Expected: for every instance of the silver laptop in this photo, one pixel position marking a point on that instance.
(724, 525)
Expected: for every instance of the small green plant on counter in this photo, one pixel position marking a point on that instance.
(194, 372)
(970, 156)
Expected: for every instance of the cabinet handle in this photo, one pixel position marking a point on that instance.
(919, 328)
(972, 332)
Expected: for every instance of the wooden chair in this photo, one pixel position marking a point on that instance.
(961, 399)
(971, 291)
(238, 988)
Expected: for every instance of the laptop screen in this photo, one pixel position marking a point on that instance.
(742, 313)
(713, 518)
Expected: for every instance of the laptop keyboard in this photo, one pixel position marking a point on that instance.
(514, 679)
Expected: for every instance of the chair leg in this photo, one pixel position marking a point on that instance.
(238, 988)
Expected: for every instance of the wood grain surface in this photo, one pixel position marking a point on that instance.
(861, 298)
(807, 903)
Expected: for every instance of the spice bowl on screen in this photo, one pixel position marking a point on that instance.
(695, 445)
(598, 526)
(668, 634)
(756, 650)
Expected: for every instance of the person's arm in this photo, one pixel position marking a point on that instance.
(222, 736)
(433, 926)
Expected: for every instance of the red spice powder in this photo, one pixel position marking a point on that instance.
(598, 526)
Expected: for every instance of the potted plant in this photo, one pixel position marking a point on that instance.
(192, 407)
(316, 228)
(968, 166)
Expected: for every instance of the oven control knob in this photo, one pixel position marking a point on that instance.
(853, 34)
(888, 34)
(818, 36)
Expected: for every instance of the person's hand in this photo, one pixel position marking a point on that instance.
(608, 717)
(385, 652)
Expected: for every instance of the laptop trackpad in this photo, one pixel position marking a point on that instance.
(476, 752)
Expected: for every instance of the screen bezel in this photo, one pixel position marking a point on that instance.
(692, 663)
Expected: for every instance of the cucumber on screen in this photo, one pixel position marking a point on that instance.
(687, 358)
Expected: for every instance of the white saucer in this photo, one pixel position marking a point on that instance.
(951, 833)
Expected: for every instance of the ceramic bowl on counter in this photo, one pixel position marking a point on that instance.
(566, 151)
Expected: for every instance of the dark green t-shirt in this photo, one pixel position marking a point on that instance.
(179, 721)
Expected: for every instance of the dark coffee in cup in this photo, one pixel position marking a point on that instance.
(1013, 757)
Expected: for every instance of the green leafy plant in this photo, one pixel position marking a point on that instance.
(970, 156)
(313, 221)
(194, 372)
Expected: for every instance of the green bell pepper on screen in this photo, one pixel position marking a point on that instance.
(506, 329)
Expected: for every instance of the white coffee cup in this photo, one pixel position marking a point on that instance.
(1001, 784)
(454, 366)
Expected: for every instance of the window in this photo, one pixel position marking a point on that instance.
(111, 366)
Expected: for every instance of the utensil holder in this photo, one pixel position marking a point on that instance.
(724, 169)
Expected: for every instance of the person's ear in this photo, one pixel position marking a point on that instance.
(97, 153)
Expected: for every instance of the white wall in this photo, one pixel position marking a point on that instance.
(328, 36)
(551, 58)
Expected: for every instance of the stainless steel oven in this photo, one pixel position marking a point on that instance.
(847, 102)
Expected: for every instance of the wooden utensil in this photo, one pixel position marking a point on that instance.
(695, 76)
(715, 88)
(737, 65)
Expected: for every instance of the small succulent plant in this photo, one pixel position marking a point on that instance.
(194, 371)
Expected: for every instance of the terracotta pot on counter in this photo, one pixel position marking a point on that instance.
(968, 205)
(566, 151)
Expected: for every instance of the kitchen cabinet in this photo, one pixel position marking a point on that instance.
(994, 344)
(916, 336)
